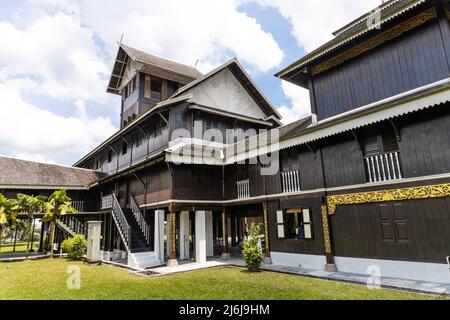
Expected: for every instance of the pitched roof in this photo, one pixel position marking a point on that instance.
(355, 29)
(23, 174)
(245, 80)
(305, 131)
(125, 53)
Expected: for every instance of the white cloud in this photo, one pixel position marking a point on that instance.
(210, 31)
(36, 134)
(60, 52)
(314, 21)
(55, 57)
(300, 103)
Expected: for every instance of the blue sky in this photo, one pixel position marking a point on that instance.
(56, 57)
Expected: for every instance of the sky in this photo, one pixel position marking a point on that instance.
(56, 57)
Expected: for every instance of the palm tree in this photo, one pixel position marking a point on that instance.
(58, 204)
(30, 205)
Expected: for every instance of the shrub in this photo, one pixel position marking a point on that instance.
(252, 252)
(75, 247)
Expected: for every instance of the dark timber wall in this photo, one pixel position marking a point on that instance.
(412, 60)
(417, 230)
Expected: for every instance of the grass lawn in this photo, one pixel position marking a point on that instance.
(20, 247)
(46, 279)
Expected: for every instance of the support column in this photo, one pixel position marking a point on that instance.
(209, 234)
(172, 262)
(184, 235)
(233, 229)
(200, 236)
(225, 253)
(331, 265)
(159, 234)
(41, 240)
(266, 232)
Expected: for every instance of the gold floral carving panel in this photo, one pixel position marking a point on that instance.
(374, 42)
(423, 192)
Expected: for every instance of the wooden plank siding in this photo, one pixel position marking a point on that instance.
(415, 59)
(306, 246)
(358, 231)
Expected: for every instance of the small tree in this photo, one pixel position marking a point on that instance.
(58, 204)
(252, 252)
(75, 247)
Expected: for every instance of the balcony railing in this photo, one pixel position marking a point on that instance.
(78, 205)
(290, 181)
(243, 188)
(384, 167)
(107, 202)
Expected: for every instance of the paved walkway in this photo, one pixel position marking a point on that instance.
(394, 283)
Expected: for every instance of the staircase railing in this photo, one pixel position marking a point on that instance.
(121, 223)
(140, 218)
(72, 225)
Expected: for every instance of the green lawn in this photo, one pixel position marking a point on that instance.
(46, 279)
(20, 247)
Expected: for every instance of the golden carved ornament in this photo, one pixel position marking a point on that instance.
(326, 229)
(374, 42)
(423, 192)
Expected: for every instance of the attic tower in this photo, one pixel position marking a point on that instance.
(143, 79)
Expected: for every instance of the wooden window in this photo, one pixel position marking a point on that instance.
(381, 154)
(394, 227)
(242, 171)
(298, 224)
(156, 88)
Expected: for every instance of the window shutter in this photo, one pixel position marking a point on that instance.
(307, 224)
(389, 141)
(280, 224)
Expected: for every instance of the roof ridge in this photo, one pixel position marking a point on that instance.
(159, 57)
(46, 163)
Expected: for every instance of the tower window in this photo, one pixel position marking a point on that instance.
(156, 88)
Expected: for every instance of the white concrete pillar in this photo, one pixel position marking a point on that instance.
(184, 235)
(159, 234)
(209, 234)
(200, 236)
(93, 241)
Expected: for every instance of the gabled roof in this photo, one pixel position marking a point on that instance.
(245, 80)
(23, 174)
(351, 32)
(305, 131)
(184, 73)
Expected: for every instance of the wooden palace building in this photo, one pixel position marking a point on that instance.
(363, 181)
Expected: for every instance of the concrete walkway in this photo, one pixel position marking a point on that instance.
(392, 283)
